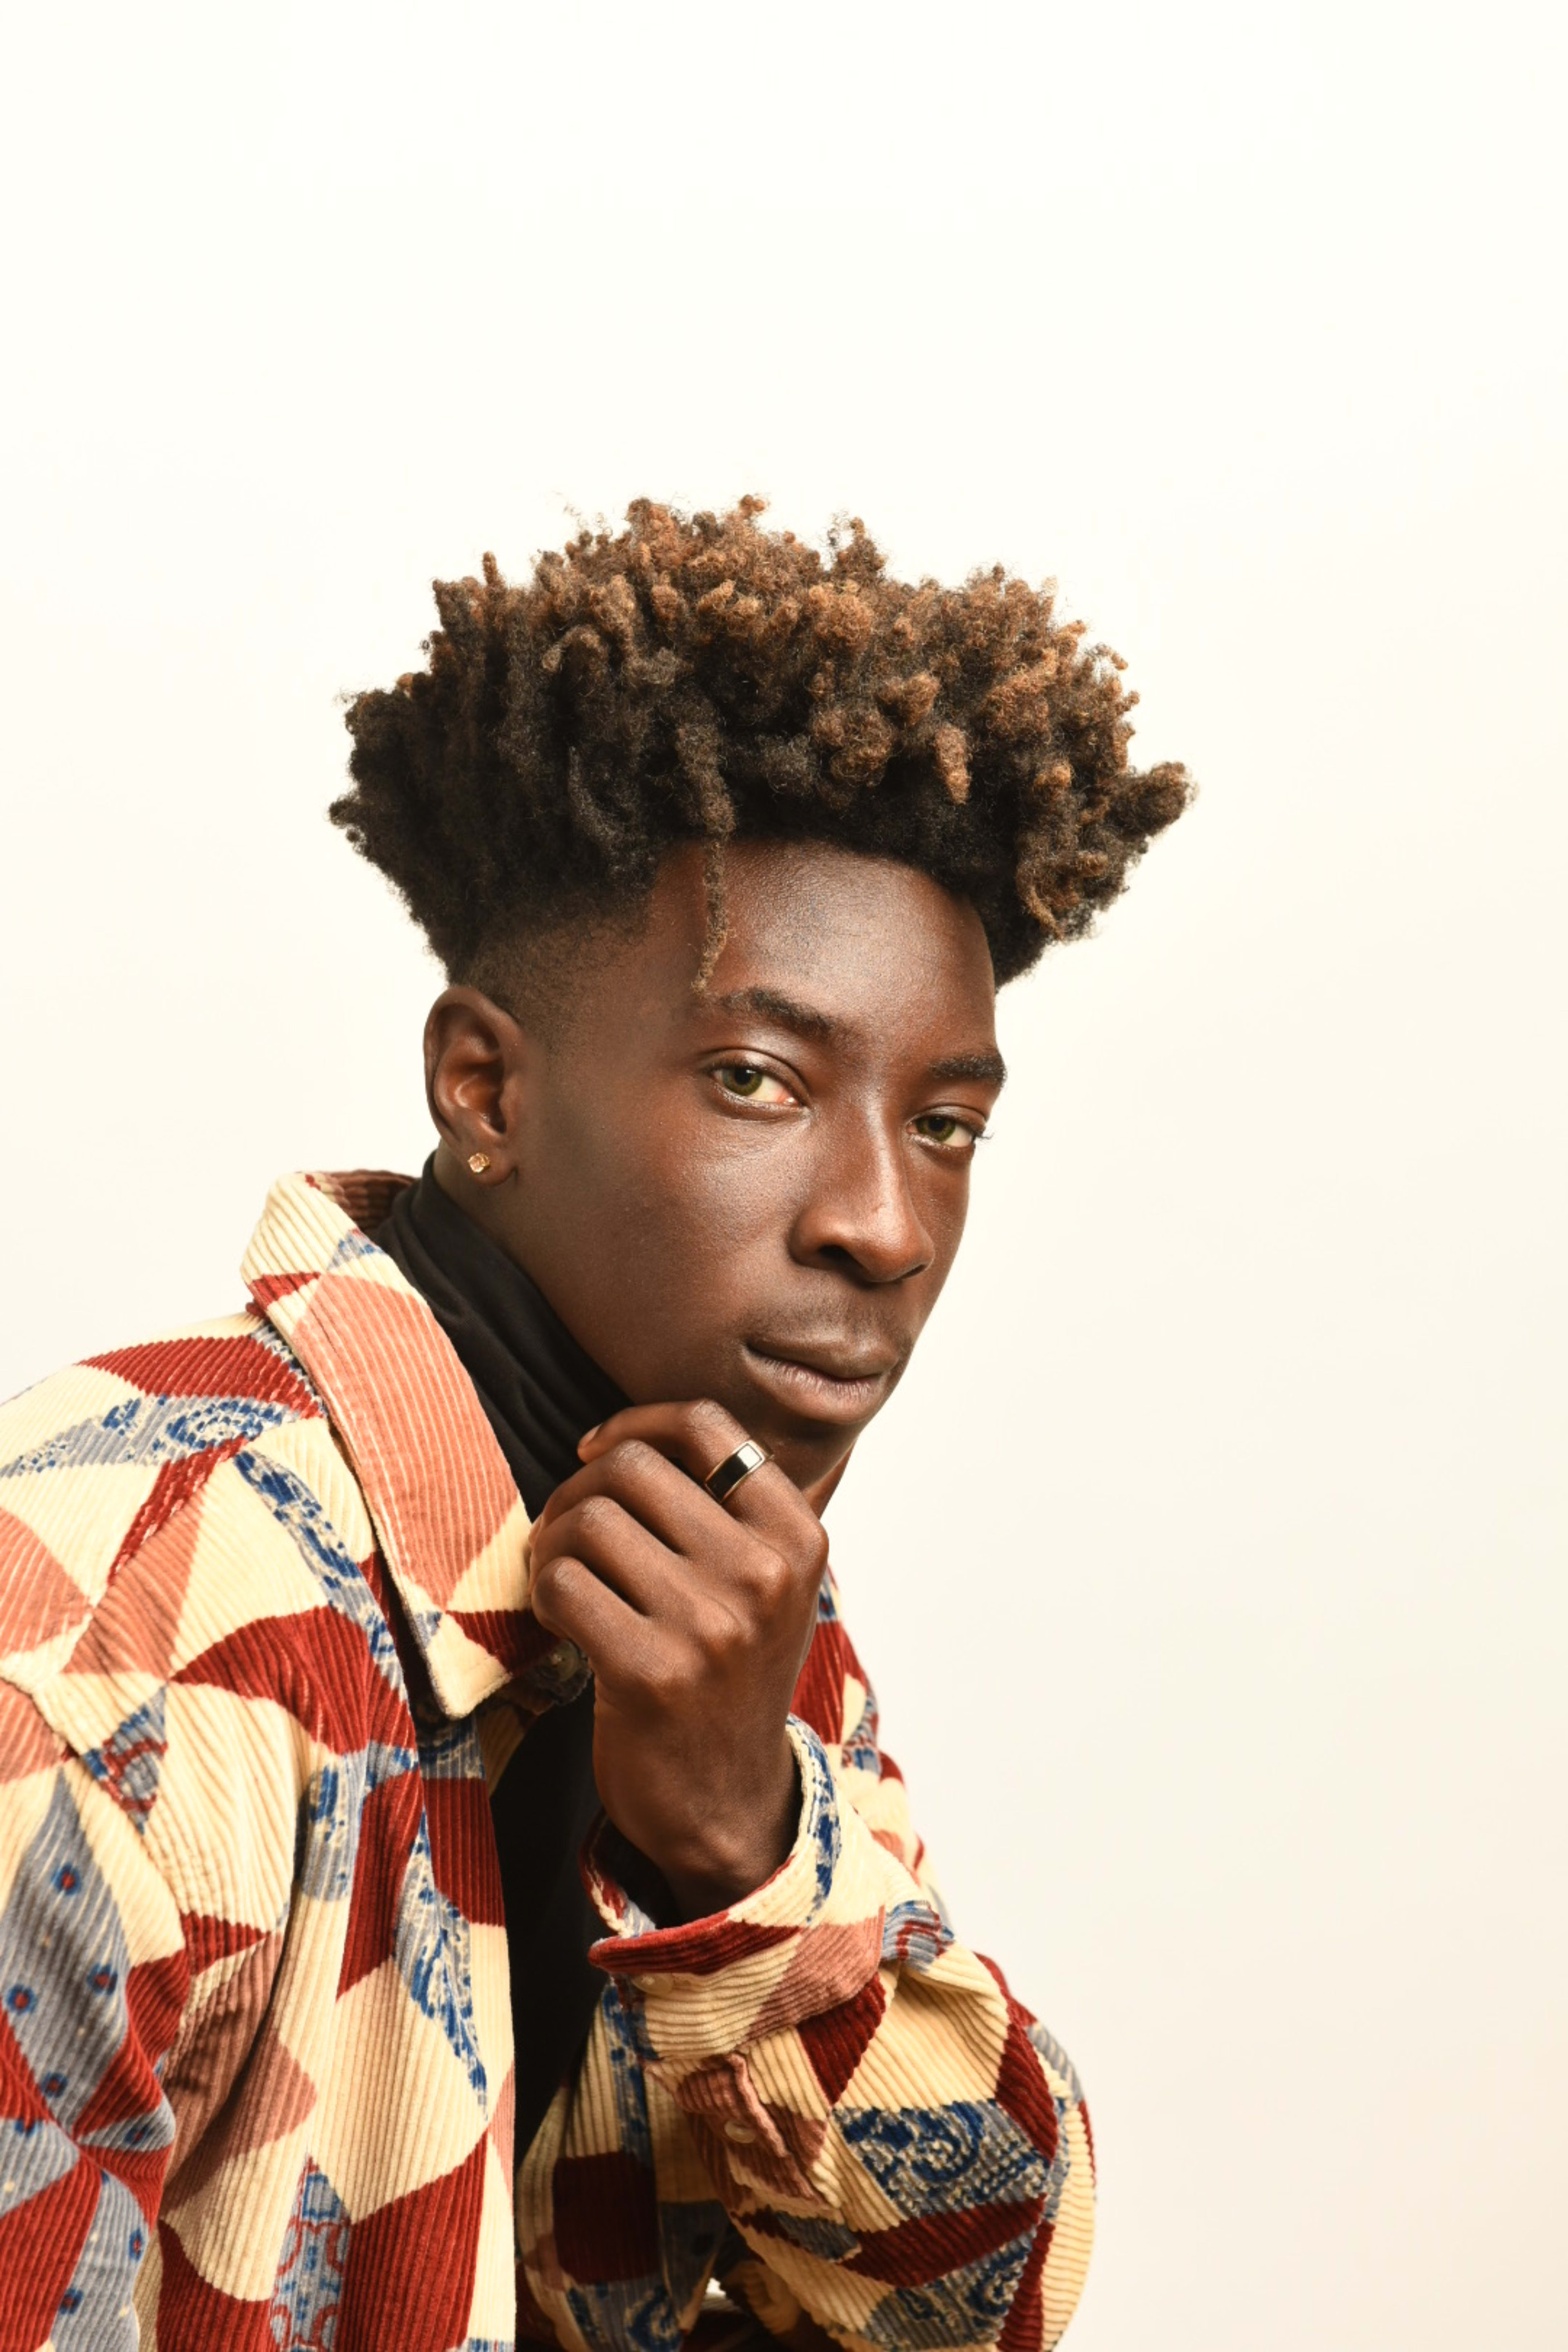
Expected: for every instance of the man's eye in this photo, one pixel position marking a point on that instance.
(748, 1084)
(940, 1127)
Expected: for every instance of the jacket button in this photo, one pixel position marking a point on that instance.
(738, 2132)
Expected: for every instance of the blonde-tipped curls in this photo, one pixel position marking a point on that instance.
(702, 679)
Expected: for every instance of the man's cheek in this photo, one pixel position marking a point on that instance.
(748, 1197)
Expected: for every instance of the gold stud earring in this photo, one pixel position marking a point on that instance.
(479, 1161)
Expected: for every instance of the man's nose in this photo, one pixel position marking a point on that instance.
(860, 1213)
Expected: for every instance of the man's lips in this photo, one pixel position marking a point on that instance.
(823, 1383)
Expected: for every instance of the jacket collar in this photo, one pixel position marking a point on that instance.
(447, 1515)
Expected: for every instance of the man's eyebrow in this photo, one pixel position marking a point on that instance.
(990, 1069)
(803, 1019)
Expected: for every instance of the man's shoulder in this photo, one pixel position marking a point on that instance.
(100, 1461)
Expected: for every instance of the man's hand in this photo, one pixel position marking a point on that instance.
(696, 1617)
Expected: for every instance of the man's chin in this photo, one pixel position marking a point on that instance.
(810, 1449)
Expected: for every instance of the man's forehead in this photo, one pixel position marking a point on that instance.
(856, 954)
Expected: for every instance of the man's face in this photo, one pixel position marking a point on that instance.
(754, 1193)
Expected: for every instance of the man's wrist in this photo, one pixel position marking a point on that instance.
(731, 1867)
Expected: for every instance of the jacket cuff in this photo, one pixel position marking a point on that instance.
(805, 1940)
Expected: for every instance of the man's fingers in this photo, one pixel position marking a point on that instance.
(655, 1489)
(698, 1436)
(568, 1598)
(598, 1531)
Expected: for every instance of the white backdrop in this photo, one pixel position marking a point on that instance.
(1211, 1562)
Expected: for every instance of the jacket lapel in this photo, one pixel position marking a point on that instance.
(450, 1522)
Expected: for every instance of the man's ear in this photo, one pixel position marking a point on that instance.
(479, 1066)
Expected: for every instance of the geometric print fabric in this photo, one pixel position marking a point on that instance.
(263, 1615)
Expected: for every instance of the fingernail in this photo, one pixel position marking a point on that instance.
(588, 1433)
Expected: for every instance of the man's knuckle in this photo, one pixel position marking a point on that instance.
(770, 1578)
(660, 1677)
(633, 1461)
(711, 1423)
(545, 1595)
(716, 1622)
(596, 1515)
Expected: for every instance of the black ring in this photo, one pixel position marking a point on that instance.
(725, 1476)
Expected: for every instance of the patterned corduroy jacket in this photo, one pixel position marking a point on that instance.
(255, 2029)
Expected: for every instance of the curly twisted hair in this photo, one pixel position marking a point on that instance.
(702, 678)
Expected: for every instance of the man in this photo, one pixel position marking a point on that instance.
(491, 1531)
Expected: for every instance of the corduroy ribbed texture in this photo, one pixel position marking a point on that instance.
(255, 2041)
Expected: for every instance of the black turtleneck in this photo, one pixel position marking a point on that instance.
(540, 1393)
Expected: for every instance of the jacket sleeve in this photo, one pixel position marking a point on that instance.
(817, 2095)
(92, 1977)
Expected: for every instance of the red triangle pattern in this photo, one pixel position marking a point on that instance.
(193, 2311)
(154, 1996)
(23, 2101)
(176, 1484)
(507, 1633)
(463, 1849)
(208, 1367)
(698, 1950)
(138, 1620)
(916, 2251)
(40, 2243)
(318, 1665)
(37, 1599)
(410, 2274)
(27, 1743)
(837, 2040)
(208, 1939)
(1021, 2085)
(1024, 2323)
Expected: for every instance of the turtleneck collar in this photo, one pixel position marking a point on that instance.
(539, 1389)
